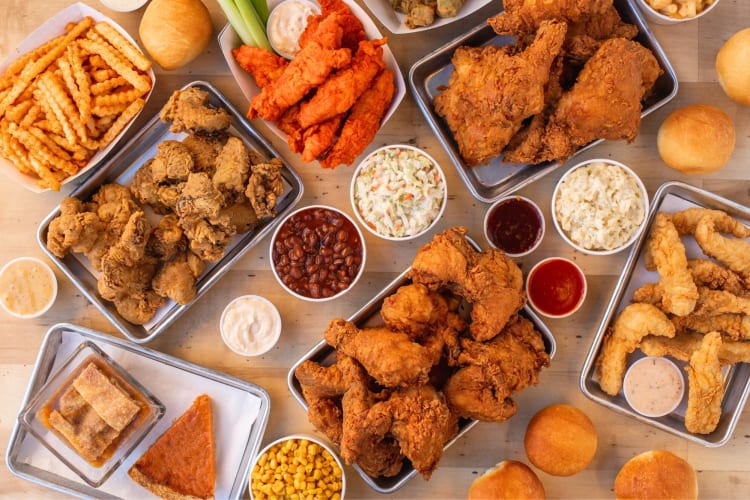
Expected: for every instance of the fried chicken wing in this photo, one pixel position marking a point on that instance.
(264, 187)
(631, 325)
(526, 16)
(339, 92)
(363, 122)
(190, 111)
(491, 92)
(605, 102)
(705, 386)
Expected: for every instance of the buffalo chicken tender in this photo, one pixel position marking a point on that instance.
(599, 206)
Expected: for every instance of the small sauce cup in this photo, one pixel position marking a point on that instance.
(653, 386)
(286, 22)
(28, 287)
(250, 325)
(556, 287)
(515, 225)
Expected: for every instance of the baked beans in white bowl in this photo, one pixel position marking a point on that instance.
(317, 253)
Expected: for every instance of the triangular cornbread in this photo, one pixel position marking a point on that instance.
(180, 463)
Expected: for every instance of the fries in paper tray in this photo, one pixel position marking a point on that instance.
(67, 95)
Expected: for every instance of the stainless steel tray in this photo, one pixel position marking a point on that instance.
(670, 197)
(369, 315)
(121, 169)
(496, 179)
(176, 383)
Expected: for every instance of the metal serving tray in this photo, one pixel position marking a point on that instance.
(369, 315)
(240, 412)
(491, 181)
(122, 167)
(670, 197)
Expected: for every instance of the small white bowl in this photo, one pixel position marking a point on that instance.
(359, 182)
(531, 224)
(541, 291)
(41, 270)
(656, 17)
(124, 5)
(582, 207)
(320, 251)
(250, 325)
(289, 15)
(664, 380)
(298, 437)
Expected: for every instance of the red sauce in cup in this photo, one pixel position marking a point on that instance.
(514, 226)
(556, 287)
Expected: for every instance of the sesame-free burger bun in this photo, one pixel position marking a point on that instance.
(733, 67)
(560, 440)
(696, 139)
(511, 480)
(656, 474)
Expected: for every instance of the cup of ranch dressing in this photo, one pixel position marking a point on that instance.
(250, 325)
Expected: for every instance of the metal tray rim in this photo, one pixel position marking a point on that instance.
(126, 328)
(253, 442)
(666, 188)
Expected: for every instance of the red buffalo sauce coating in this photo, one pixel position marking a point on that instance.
(556, 287)
(514, 226)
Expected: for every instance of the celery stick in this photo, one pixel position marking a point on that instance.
(238, 24)
(261, 7)
(253, 23)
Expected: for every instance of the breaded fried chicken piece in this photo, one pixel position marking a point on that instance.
(114, 206)
(732, 252)
(74, 229)
(172, 163)
(166, 239)
(686, 221)
(199, 197)
(264, 187)
(684, 344)
(363, 122)
(731, 325)
(705, 386)
(140, 309)
(353, 31)
(207, 241)
(146, 190)
(605, 102)
(176, 279)
(204, 150)
(586, 35)
(317, 139)
(241, 216)
(189, 111)
(492, 92)
(526, 16)
(413, 309)
(232, 169)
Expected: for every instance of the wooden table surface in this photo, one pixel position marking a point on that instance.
(723, 472)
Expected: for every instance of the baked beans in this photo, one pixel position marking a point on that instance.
(317, 252)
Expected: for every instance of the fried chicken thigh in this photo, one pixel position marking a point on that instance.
(526, 16)
(491, 92)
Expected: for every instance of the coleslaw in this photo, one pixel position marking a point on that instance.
(398, 192)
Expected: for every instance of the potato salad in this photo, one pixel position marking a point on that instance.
(398, 192)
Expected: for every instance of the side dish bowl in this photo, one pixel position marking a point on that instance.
(515, 225)
(28, 287)
(658, 16)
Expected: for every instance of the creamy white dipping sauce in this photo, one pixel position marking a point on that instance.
(654, 386)
(27, 287)
(124, 5)
(286, 23)
(250, 325)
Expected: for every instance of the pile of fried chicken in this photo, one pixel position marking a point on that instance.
(574, 75)
(398, 390)
(698, 312)
(207, 188)
(330, 99)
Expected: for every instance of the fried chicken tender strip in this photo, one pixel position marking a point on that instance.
(189, 111)
(705, 386)
(491, 92)
(684, 344)
(732, 326)
(264, 66)
(421, 422)
(391, 358)
(339, 92)
(317, 139)
(74, 229)
(363, 122)
(310, 67)
(353, 31)
(631, 325)
(668, 253)
(733, 253)
(526, 16)
(605, 102)
(686, 221)
(710, 274)
(493, 371)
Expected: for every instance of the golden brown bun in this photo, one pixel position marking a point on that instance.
(509, 480)
(733, 66)
(174, 32)
(696, 139)
(656, 474)
(560, 440)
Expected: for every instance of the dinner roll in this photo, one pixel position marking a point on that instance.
(656, 474)
(560, 440)
(510, 479)
(174, 32)
(733, 66)
(696, 139)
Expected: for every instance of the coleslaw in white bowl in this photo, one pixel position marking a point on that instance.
(398, 192)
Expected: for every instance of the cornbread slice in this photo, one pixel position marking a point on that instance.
(180, 463)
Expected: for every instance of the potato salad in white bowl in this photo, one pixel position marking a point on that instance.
(398, 192)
